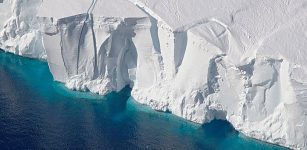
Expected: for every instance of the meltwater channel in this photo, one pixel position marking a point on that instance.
(38, 113)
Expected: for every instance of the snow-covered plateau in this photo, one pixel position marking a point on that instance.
(239, 60)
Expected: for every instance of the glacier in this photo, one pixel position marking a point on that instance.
(238, 60)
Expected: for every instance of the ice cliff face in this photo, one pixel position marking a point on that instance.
(20, 28)
(243, 61)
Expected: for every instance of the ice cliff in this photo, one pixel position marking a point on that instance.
(238, 60)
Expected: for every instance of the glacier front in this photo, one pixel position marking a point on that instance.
(237, 60)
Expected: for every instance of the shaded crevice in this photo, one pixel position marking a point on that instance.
(153, 31)
(101, 57)
(248, 68)
(130, 61)
(180, 46)
(212, 80)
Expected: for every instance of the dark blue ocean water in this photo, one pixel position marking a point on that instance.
(37, 113)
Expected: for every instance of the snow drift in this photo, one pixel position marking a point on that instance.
(242, 61)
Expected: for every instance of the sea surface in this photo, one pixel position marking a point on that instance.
(38, 113)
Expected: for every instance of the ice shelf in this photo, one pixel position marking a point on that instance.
(238, 60)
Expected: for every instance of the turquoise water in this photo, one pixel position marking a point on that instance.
(38, 113)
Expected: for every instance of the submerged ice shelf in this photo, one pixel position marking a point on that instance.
(241, 61)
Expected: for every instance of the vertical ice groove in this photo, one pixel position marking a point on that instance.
(95, 51)
(62, 50)
(94, 40)
(90, 9)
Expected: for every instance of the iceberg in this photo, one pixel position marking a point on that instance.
(236, 60)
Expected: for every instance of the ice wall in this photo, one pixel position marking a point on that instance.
(96, 49)
(242, 61)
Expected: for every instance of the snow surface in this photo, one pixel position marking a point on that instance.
(238, 60)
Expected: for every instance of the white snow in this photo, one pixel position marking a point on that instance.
(238, 60)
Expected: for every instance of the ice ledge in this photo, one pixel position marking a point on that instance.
(236, 61)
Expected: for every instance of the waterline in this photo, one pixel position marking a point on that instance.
(38, 113)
